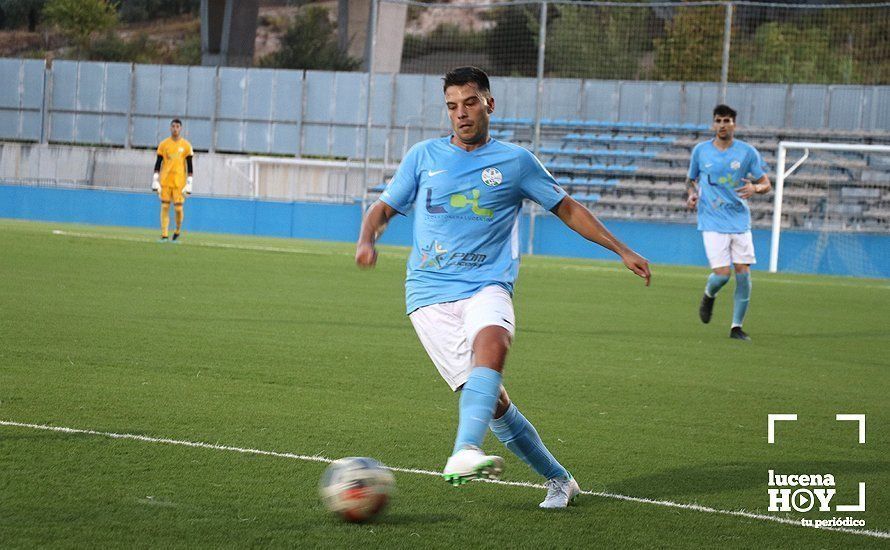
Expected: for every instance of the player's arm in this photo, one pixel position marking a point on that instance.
(691, 193)
(759, 187)
(189, 172)
(156, 177)
(583, 222)
(373, 226)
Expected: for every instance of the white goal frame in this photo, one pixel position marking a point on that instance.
(781, 174)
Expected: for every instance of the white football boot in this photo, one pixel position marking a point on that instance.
(470, 463)
(560, 492)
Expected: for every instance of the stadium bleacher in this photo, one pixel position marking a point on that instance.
(638, 171)
(634, 170)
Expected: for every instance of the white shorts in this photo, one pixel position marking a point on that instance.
(725, 249)
(447, 330)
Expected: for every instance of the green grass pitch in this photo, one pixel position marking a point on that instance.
(284, 345)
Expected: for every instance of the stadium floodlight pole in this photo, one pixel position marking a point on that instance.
(724, 67)
(782, 174)
(539, 106)
(372, 45)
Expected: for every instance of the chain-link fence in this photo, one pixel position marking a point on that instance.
(673, 41)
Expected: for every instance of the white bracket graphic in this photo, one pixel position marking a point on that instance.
(857, 418)
(771, 420)
(854, 507)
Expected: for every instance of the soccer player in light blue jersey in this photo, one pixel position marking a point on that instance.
(723, 174)
(466, 191)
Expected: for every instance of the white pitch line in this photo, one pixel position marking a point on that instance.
(191, 243)
(316, 458)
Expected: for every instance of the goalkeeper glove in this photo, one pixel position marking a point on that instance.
(156, 182)
(188, 185)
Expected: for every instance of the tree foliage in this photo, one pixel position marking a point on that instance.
(513, 42)
(692, 46)
(598, 42)
(310, 42)
(145, 10)
(20, 13)
(784, 53)
(79, 20)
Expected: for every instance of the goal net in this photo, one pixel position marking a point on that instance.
(831, 211)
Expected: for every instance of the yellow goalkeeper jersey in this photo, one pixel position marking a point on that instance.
(173, 169)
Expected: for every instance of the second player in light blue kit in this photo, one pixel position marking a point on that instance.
(466, 191)
(723, 174)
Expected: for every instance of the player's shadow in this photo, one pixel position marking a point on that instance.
(717, 478)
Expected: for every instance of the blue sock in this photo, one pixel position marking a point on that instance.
(518, 434)
(715, 283)
(477, 402)
(742, 297)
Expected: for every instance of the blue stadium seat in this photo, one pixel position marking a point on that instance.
(584, 197)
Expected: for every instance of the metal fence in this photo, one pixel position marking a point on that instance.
(323, 114)
(708, 41)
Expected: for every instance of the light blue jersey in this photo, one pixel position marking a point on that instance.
(719, 173)
(466, 222)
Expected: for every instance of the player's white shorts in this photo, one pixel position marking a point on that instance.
(725, 249)
(447, 330)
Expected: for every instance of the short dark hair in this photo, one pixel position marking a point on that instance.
(176, 121)
(724, 110)
(465, 75)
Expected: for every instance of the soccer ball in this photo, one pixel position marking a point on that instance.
(356, 489)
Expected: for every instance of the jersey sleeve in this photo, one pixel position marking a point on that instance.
(189, 152)
(755, 164)
(537, 184)
(694, 173)
(161, 149)
(402, 190)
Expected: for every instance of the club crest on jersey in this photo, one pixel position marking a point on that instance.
(492, 177)
(735, 165)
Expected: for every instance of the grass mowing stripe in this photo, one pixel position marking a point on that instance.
(596, 268)
(316, 458)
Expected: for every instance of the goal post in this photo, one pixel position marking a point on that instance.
(782, 174)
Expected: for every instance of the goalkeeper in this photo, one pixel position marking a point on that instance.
(173, 177)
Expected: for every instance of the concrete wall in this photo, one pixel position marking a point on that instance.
(804, 252)
(215, 174)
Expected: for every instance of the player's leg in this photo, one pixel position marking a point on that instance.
(440, 328)
(489, 323)
(165, 216)
(743, 257)
(180, 215)
(521, 437)
(166, 199)
(178, 201)
(717, 249)
(478, 398)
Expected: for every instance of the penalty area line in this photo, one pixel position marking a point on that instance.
(318, 458)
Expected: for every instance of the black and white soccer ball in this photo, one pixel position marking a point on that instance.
(356, 488)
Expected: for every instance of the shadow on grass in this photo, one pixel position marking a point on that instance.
(717, 478)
